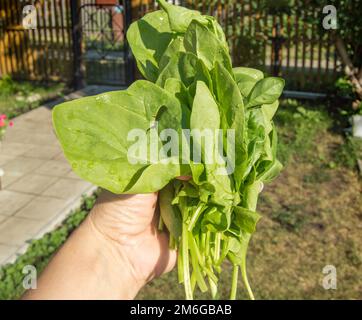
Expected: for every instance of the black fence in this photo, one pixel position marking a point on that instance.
(84, 40)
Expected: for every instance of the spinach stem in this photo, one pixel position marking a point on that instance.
(193, 281)
(224, 250)
(195, 249)
(180, 270)
(203, 246)
(234, 283)
(217, 246)
(207, 243)
(185, 262)
(160, 224)
(213, 289)
(195, 216)
(210, 274)
(195, 264)
(172, 242)
(250, 202)
(245, 280)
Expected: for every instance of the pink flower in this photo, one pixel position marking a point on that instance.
(2, 123)
(2, 116)
(11, 123)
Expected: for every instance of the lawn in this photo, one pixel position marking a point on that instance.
(311, 218)
(19, 97)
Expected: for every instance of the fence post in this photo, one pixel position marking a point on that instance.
(129, 60)
(78, 75)
(277, 40)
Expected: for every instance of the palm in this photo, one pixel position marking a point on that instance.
(131, 221)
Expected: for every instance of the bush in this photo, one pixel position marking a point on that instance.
(19, 97)
(7, 86)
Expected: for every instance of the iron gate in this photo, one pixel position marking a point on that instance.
(101, 52)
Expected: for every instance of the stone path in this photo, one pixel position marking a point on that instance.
(38, 188)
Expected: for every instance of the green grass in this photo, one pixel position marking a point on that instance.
(347, 153)
(297, 124)
(19, 97)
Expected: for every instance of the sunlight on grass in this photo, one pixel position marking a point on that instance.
(19, 97)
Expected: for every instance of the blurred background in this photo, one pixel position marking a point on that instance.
(56, 50)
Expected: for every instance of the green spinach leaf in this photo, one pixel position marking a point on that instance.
(266, 91)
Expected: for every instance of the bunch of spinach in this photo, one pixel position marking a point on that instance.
(190, 84)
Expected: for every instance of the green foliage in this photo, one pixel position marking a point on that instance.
(349, 23)
(152, 37)
(40, 251)
(319, 176)
(266, 91)
(300, 127)
(342, 97)
(180, 18)
(353, 254)
(348, 153)
(7, 86)
(290, 218)
(190, 85)
(101, 124)
(349, 26)
(246, 79)
(205, 44)
(299, 124)
(19, 97)
(344, 88)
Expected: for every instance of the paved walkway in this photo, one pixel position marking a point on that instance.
(38, 189)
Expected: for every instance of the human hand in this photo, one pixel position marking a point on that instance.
(111, 255)
(129, 222)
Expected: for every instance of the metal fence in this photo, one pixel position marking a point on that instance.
(285, 43)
